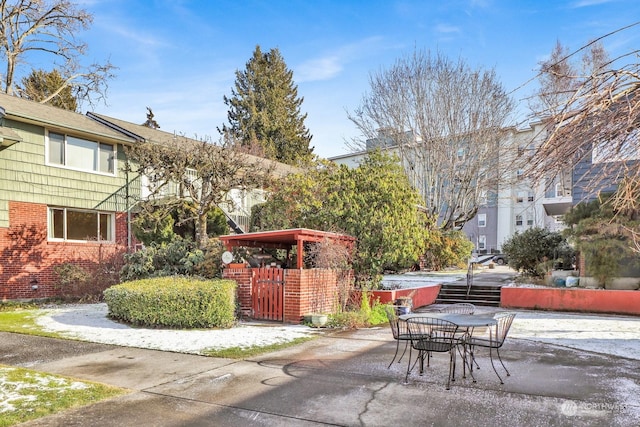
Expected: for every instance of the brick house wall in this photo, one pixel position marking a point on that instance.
(27, 258)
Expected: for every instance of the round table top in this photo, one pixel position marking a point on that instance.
(462, 320)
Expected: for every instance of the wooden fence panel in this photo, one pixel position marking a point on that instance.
(268, 293)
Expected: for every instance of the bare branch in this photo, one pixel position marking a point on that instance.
(49, 26)
(445, 120)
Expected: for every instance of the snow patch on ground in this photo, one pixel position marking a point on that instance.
(89, 322)
(614, 335)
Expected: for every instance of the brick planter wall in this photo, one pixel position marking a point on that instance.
(305, 291)
(580, 300)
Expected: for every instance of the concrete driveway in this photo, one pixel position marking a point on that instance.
(338, 379)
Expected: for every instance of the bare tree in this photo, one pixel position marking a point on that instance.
(50, 27)
(445, 120)
(199, 171)
(592, 121)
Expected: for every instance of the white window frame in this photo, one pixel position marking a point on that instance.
(96, 160)
(101, 216)
(518, 220)
(559, 189)
(482, 220)
(520, 196)
(482, 242)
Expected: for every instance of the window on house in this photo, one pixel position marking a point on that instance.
(559, 189)
(460, 154)
(529, 220)
(520, 197)
(519, 174)
(482, 220)
(77, 153)
(518, 219)
(530, 196)
(482, 198)
(71, 224)
(482, 242)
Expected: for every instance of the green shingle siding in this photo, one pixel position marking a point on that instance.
(25, 177)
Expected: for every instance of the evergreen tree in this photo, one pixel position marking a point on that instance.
(151, 122)
(41, 85)
(264, 110)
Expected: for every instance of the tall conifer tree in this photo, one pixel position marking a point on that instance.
(264, 110)
(41, 85)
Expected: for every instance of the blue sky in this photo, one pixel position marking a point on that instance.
(180, 57)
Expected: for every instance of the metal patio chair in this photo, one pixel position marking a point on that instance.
(432, 335)
(458, 308)
(399, 331)
(495, 339)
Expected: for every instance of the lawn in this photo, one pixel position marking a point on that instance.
(26, 394)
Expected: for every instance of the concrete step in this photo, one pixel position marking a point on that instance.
(486, 295)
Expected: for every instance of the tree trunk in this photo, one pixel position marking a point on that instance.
(201, 231)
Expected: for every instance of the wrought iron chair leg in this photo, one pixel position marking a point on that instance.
(452, 367)
(406, 378)
(394, 356)
(494, 366)
(502, 363)
(406, 344)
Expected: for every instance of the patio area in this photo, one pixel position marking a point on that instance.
(562, 373)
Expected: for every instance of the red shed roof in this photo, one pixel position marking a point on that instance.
(284, 239)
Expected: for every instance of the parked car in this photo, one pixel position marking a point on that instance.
(500, 259)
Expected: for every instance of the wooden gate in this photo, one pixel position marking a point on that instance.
(268, 293)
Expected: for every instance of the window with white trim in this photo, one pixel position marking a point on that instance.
(518, 219)
(559, 190)
(530, 196)
(529, 220)
(520, 197)
(81, 154)
(482, 242)
(81, 225)
(482, 220)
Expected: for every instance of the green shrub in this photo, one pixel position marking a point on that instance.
(531, 250)
(71, 277)
(175, 302)
(447, 248)
(180, 256)
(363, 316)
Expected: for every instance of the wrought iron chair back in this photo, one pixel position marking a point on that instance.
(459, 308)
(432, 335)
(497, 336)
(399, 330)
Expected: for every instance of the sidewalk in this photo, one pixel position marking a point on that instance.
(337, 379)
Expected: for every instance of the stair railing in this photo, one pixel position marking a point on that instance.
(469, 278)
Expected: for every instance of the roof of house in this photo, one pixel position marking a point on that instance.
(148, 134)
(24, 110)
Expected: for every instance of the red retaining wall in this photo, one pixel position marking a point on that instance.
(424, 295)
(581, 300)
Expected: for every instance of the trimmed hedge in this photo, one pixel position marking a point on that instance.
(175, 302)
